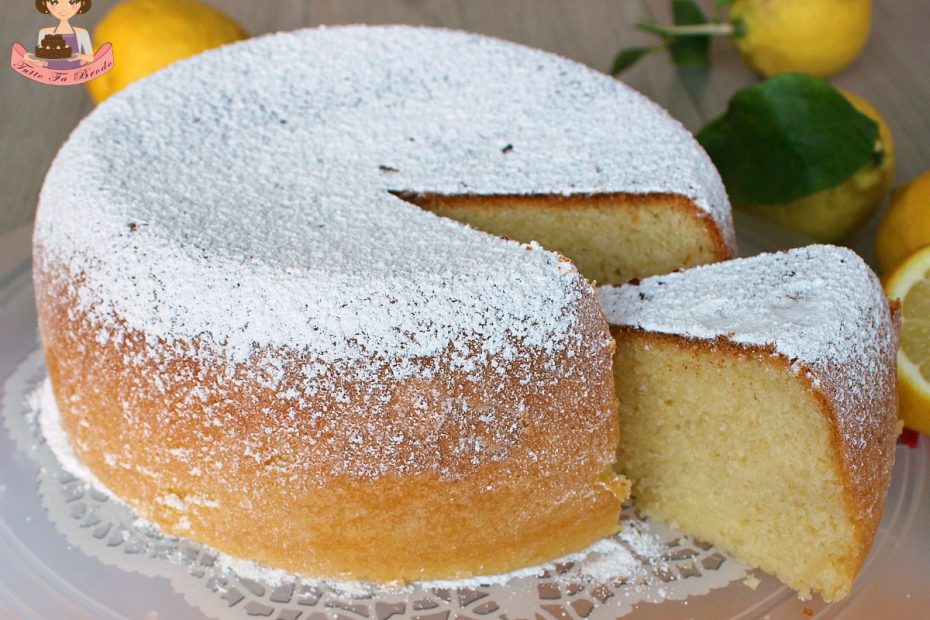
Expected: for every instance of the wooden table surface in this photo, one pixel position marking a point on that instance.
(892, 72)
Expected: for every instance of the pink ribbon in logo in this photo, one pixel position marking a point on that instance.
(103, 62)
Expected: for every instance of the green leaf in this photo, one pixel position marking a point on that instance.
(628, 57)
(689, 51)
(787, 137)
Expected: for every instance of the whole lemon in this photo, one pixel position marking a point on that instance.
(831, 214)
(819, 37)
(148, 35)
(905, 227)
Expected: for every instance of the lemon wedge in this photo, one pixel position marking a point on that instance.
(910, 283)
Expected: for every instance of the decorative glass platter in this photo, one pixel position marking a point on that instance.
(68, 551)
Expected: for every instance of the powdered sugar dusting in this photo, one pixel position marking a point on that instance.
(816, 305)
(632, 556)
(820, 307)
(254, 211)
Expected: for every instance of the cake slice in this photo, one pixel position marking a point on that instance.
(758, 408)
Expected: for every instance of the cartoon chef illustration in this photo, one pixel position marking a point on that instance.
(63, 46)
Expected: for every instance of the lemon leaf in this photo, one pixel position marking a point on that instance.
(628, 57)
(787, 137)
(689, 51)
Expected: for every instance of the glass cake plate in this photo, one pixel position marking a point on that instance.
(69, 551)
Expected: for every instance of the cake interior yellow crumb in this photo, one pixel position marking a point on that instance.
(611, 239)
(732, 447)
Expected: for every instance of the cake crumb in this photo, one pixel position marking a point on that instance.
(752, 582)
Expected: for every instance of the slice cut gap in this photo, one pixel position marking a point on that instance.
(611, 238)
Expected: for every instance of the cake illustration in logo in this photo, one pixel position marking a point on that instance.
(63, 54)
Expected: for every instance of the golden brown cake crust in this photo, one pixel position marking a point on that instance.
(211, 451)
(866, 451)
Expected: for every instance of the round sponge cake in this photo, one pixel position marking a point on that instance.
(260, 341)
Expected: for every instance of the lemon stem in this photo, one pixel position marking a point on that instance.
(696, 30)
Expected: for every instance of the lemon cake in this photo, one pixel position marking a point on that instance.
(261, 338)
(758, 407)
